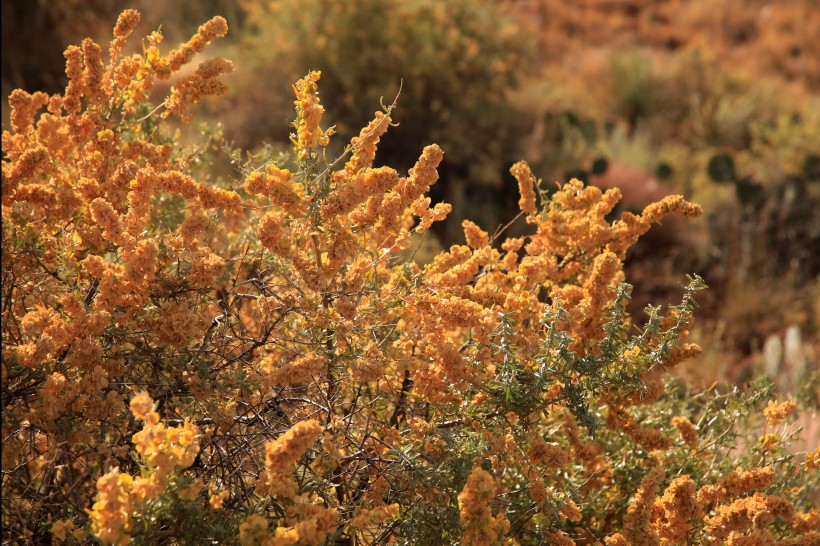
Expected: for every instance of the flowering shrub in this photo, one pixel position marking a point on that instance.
(189, 360)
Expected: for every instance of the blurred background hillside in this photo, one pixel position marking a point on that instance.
(716, 99)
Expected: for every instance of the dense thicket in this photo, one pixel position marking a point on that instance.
(260, 360)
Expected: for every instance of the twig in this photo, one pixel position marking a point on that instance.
(350, 148)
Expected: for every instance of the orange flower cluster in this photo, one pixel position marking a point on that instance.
(481, 528)
(309, 134)
(281, 455)
(111, 514)
(758, 511)
(358, 189)
(777, 412)
(279, 186)
(212, 30)
(674, 512)
(191, 89)
(364, 146)
(163, 450)
(736, 483)
(687, 430)
(310, 524)
(638, 528)
(683, 509)
(308, 521)
(650, 439)
(551, 456)
(526, 187)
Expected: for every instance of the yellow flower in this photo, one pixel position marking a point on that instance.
(252, 530)
(632, 352)
(146, 489)
(142, 406)
(308, 116)
(776, 412)
(60, 527)
(187, 436)
(217, 499)
(526, 188)
(768, 441)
